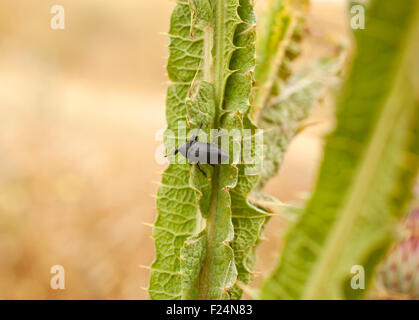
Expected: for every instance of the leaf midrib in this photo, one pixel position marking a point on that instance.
(218, 82)
(351, 208)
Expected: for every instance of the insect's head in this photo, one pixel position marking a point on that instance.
(184, 148)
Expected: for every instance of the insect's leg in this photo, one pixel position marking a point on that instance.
(203, 172)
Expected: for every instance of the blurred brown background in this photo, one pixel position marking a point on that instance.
(79, 112)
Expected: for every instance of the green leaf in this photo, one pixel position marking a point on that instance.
(248, 221)
(278, 44)
(211, 61)
(282, 118)
(369, 166)
(235, 113)
(181, 193)
(192, 256)
(219, 272)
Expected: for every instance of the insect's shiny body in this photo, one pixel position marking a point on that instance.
(202, 153)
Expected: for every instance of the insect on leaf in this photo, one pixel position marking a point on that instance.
(210, 66)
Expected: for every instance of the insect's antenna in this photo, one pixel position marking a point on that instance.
(200, 127)
(195, 137)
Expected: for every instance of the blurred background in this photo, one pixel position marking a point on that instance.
(80, 110)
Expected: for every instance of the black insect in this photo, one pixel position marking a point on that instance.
(202, 153)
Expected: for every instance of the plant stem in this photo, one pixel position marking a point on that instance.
(217, 65)
(205, 278)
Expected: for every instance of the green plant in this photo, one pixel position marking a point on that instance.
(208, 228)
(370, 163)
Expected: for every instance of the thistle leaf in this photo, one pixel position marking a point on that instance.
(210, 67)
(219, 272)
(179, 197)
(192, 256)
(247, 219)
(369, 166)
(282, 118)
(278, 44)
